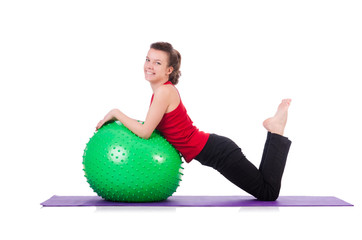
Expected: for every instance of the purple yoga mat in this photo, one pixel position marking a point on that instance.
(199, 201)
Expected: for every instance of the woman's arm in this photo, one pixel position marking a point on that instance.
(161, 101)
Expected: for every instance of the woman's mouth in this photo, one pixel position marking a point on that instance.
(149, 73)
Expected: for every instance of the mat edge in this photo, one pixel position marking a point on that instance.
(44, 204)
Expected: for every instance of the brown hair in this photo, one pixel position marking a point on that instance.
(174, 59)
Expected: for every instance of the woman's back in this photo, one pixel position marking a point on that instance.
(177, 127)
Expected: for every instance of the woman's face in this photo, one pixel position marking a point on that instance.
(156, 66)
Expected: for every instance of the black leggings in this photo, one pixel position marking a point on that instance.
(264, 183)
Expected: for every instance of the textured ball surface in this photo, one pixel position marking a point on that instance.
(120, 166)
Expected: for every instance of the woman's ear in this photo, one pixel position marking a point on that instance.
(169, 70)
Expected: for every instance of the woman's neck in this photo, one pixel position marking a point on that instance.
(157, 84)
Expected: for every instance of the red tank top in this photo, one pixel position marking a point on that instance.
(177, 127)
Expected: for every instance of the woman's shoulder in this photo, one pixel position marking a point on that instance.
(166, 90)
(169, 95)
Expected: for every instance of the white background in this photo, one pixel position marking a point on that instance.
(65, 64)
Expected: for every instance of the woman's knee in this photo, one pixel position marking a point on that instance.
(269, 198)
(268, 194)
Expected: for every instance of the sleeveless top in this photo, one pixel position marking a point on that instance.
(178, 129)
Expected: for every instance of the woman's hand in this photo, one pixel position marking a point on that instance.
(109, 117)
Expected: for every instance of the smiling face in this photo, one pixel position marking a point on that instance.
(156, 67)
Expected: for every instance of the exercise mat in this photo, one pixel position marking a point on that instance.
(200, 201)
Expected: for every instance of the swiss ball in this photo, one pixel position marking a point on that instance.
(120, 166)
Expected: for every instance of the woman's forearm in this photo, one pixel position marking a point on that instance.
(153, 118)
(136, 127)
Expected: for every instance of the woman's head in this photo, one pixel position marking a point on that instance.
(173, 60)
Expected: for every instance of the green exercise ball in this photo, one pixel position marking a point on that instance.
(120, 166)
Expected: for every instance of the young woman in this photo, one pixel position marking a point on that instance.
(167, 114)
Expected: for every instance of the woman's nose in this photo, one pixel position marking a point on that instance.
(148, 65)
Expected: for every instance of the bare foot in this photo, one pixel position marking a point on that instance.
(277, 123)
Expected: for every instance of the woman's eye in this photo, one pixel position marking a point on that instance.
(147, 60)
(158, 63)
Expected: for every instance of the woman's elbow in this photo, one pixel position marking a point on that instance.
(146, 137)
(145, 134)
